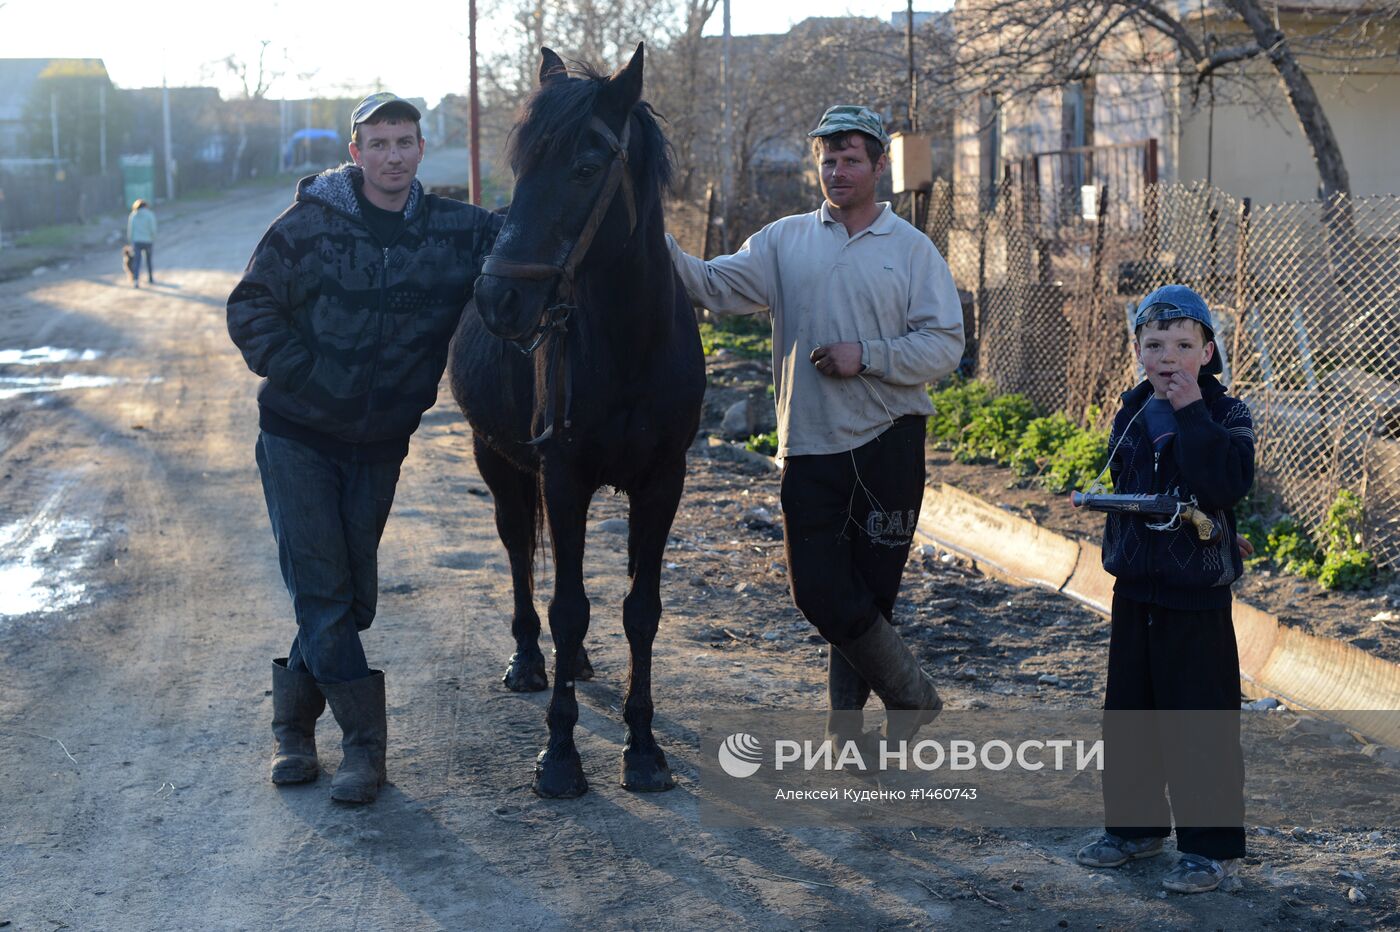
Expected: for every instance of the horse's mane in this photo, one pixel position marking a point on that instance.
(554, 117)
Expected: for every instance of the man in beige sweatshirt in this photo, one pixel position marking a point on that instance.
(865, 314)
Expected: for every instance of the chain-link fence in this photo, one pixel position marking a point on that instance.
(1304, 296)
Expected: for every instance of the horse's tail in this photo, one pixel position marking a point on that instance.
(537, 522)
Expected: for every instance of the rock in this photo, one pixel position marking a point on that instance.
(1261, 705)
(1384, 616)
(761, 517)
(1387, 756)
(738, 421)
(771, 635)
(1049, 679)
(612, 526)
(965, 673)
(1352, 876)
(1355, 897)
(40, 270)
(1375, 838)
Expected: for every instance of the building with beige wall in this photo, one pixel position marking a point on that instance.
(1237, 132)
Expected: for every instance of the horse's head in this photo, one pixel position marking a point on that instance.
(575, 153)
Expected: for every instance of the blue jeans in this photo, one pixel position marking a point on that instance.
(327, 516)
(136, 250)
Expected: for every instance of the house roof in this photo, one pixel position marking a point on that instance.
(18, 76)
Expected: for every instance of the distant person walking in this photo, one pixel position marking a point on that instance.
(141, 236)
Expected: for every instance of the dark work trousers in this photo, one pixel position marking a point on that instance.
(848, 519)
(1185, 661)
(136, 250)
(327, 515)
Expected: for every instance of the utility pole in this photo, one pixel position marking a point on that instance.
(473, 110)
(169, 160)
(913, 79)
(102, 126)
(726, 77)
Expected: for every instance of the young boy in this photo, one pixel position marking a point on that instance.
(1172, 642)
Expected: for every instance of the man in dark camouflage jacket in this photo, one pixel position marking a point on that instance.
(346, 310)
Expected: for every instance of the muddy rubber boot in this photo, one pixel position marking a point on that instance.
(882, 658)
(846, 694)
(296, 704)
(359, 708)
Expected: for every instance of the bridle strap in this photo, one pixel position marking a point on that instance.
(556, 317)
(618, 178)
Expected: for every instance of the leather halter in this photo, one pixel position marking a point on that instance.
(555, 318)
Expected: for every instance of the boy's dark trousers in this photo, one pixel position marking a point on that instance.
(848, 520)
(1174, 660)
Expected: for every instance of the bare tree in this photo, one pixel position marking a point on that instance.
(262, 76)
(675, 86)
(1020, 47)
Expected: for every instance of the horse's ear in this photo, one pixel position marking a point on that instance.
(552, 67)
(625, 87)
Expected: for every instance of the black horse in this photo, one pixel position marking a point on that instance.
(581, 367)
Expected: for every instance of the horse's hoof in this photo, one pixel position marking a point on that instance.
(646, 771)
(525, 673)
(559, 777)
(583, 668)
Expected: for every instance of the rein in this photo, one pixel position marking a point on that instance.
(555, 319)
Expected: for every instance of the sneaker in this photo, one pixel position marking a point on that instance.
(1111, 851)
(1195, 873)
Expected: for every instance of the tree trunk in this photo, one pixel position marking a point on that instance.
(1326, 153)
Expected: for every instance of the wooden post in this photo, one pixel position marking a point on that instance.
(1241, 287)
(707, 245)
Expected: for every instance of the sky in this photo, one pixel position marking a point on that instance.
(345, 48)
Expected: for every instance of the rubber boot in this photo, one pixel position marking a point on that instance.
(882, 658)
(296, 704)
(359, 708)
(846, 693)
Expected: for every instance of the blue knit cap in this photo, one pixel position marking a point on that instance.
(1177, 302)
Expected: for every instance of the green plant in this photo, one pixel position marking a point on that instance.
(1291, 548)
(48, 237)
(995, 430)
(1077, 462)
(1347, 569)
(1042, 438)
(1345, 565)
(955, 402)
(740, 336)
(767, 444)
(1253, 529)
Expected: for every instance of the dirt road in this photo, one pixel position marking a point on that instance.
(141, 607)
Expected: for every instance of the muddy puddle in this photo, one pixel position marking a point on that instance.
(42, 559)
(14, 384)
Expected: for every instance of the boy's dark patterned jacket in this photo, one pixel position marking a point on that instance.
(1211, 458)
(352, 334)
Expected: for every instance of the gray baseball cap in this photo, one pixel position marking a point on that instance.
(1178, 302)
(845, 118)
(376, 102)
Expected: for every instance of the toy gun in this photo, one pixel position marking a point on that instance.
(1173, 509)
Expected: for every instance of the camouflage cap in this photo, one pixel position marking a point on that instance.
(376, 102)
(844, 118)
